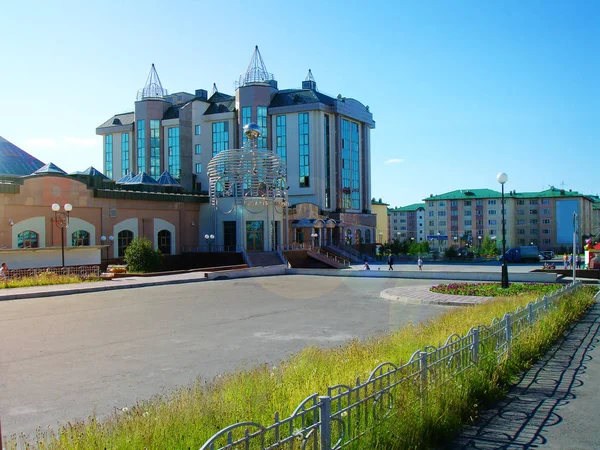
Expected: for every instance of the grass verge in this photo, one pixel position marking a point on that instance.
(46, 279)
(187, 417)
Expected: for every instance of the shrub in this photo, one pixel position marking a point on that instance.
(451, 252)
(141, 257)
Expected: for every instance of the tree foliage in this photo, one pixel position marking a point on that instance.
(140, 256)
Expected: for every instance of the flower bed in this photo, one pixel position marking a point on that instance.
(494, 289)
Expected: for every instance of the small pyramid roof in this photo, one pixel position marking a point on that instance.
(166, 179)
(142, 178)
(50, 168)
(92, 172)
(14, 161)
(126, 179)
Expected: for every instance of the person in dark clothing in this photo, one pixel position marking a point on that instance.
(391, 262)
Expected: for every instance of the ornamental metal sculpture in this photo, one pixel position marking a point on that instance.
(253, 177)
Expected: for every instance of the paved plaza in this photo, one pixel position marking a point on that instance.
(64, 357)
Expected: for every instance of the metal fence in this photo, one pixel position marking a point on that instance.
(82, 271)
(346, 413)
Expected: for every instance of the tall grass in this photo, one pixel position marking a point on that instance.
(187, 417)
(45, 279)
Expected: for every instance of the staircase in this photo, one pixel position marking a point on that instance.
(263, 259)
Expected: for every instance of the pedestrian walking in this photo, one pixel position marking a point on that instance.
(566, 261)
(366, 266)
(4, 272)
(420, 263)
(578, 261)
(391, 262)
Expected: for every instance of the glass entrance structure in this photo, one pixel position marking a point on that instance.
(248, 186)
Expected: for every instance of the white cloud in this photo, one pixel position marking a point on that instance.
(394, 161)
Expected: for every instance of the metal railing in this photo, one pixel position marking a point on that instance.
(217, 248)
(316, 249)
(329, 255)
(82, 271)
(346, 413)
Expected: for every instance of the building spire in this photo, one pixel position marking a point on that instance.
(153, 87)
(256, 72)
(309, 76)
(214, 90)
(309, 82)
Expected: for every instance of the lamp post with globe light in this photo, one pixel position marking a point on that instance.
(108, 244)
(502, 179)
(209, 238)
(61, 219)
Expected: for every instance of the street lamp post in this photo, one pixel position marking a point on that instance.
(503, 178)
(61, 219)
(439, 242)
(108, 244)
(209, 238)
(479, 239)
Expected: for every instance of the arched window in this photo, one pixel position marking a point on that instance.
(80, 238)
(348, 236)
(124, 238)
(164, 242)
(358, 238)
(28, 239)
(367, 236)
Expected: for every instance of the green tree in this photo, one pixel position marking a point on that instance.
(140, 256)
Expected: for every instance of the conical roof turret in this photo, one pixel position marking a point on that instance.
(256, 72)
(153, 87)
(309, 82)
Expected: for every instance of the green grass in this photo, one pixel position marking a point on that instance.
(495, 289)
(187, 417)
(45, 279)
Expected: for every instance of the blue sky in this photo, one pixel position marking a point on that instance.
(460, 90)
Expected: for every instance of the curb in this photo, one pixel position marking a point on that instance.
(86, 290)
(441, 300)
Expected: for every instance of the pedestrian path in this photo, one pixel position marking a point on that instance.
(98, 286)
(555, 403)
(419, 295)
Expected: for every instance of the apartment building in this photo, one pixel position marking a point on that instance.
(542, 218)
(407, 222)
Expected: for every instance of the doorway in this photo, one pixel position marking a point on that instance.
(255, 236)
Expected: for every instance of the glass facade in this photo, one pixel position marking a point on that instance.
(124, 154)
(141, 145)
(246, 119)
(327, 164)
(173, 155)
(108, 155)
(304, 150)
(280, 138)
(350, 166)
(155, 148)
(261, 121)
(220, 137)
